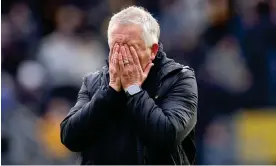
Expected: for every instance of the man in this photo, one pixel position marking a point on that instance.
(141, 109)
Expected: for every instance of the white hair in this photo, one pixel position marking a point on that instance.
(139, 16)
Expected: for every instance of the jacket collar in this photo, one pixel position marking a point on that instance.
(164, 65)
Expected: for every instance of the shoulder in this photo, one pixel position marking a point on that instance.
(92, 78)
(186, 79)
(181, 80)
(187, 72)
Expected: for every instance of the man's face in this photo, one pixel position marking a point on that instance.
(131, 35)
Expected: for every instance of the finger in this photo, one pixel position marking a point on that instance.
(112, 47)
(111, 59)
(120, 60)
(117, 52)
(110, 55)
(128, 54)
(124, 56)
(112, 52)
(134, 55)
(135, 59)
(117, 49)
(147, 69)
(116, 64)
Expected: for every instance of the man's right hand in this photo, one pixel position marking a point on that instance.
(115, 81)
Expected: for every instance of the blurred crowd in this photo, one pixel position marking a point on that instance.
(48, 46)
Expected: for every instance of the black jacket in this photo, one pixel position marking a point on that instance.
(155, 126)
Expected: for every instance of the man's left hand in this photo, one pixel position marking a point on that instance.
(130, 67)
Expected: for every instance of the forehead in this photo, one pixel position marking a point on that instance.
(125, 32)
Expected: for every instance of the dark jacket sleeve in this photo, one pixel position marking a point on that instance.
(167, 126)
(86, 118)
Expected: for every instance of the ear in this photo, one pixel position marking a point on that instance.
(154, 50)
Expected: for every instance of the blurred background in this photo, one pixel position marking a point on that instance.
(48, 45)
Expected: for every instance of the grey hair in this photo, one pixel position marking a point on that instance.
(139, 16)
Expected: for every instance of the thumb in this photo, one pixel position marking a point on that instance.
(147, 70)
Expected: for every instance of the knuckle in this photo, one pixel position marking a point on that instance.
(125, 74)
(129, 70)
